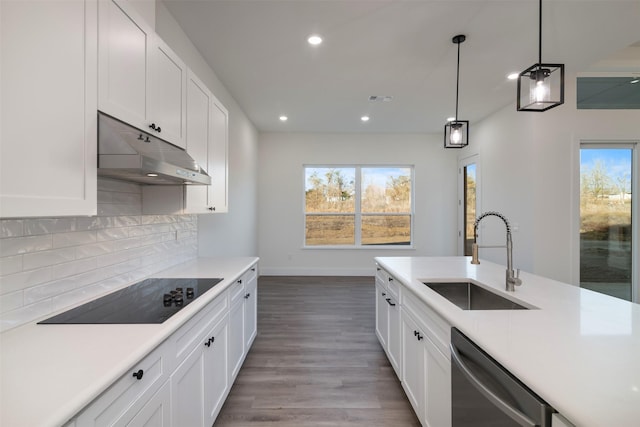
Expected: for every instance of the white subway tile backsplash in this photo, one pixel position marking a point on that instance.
(11, 228)
(62, 240)
(23, 245)
(45, 258)
(24, 279)
(10, 265)
(112, 234)
(11, 301)
(49, 264)
(34, 227)
(109, 209)
(24, 314)
(74, 267)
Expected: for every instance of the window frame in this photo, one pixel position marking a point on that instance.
(358, 214)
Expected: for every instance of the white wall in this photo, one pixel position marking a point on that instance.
(233, 233)
(281, 193)
(530, 170)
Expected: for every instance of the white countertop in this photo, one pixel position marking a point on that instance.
(48, 373)
(580, 351)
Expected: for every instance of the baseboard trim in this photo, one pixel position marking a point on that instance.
(304, 271)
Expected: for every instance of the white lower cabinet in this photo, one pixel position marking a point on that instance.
(186, 379)
(157, 411)
(415, 338)
(426, 375)
(127, 397)
(200, 383)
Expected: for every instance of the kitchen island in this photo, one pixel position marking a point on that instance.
(49, 373)
(577, 349)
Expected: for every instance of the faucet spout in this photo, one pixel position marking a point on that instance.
(512, 279)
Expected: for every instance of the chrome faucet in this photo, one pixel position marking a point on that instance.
(512, 280)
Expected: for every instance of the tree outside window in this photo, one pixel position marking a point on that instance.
(358, 206)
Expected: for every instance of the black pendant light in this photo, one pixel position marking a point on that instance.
(541, 86)
(456, 132)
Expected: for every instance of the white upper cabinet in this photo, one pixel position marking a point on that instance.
(219, 158)
(207, 143)
(48, 102)
(141, 80)
(199, 141)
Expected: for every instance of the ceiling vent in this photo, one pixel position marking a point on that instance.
(378, 98)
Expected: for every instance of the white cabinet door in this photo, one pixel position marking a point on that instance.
(48, 148)
(141, 80)
(157, 411)
(167, 93)
(219, 158)
(236, 337)
(382, 316)
(216, 383)
(124, 38)
(121, 402)
(394, 346)
(413, 365)
(438, 388)
(250, 311)
(187, 390)
(199, 141)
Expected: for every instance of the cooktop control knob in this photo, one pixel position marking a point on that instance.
(190, 293)
(166, 300)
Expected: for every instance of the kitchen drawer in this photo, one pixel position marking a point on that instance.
(236, 290)
(120, 402)
(393, 286)
(190, 335)
(381, 274)
(437, 329)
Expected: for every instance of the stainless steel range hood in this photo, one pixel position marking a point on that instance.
(127, 153)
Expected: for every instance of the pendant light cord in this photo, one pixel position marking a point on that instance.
(457, 82)
(540, 32)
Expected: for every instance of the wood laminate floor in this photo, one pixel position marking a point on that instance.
(316, 360)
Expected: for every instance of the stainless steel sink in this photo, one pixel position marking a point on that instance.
(469, 296)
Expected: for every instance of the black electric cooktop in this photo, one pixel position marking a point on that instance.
(148, 301)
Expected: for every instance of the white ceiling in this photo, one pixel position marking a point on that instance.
(398, 48)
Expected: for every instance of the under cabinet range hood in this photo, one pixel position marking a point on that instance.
(129, 154)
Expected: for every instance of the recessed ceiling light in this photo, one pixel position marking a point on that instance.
(284, 118)
(152, 174)
(364, 118)
(450, 119)
(513, 76)
(634, 81)
(314, 39)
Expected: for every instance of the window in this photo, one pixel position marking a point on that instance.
(607, 217)
(358, 205)
(468, 202)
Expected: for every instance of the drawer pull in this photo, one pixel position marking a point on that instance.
(247, 296)
(392, 304)
(138, 375)
(210, 341)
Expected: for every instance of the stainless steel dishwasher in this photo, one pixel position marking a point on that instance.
(483, 393)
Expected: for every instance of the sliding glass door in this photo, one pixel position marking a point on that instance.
(608, 238)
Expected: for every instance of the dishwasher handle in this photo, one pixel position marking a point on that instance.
(507, 409)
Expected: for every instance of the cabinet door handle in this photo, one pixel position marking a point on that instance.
(247, 296)
(390, 303)
(415, 333)
(210, 341)
(152, 126)
(159, 129)
(420, 337)
(391, 279)
(138, 375)
(383, 294)
(240, 281)
(211, 208)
